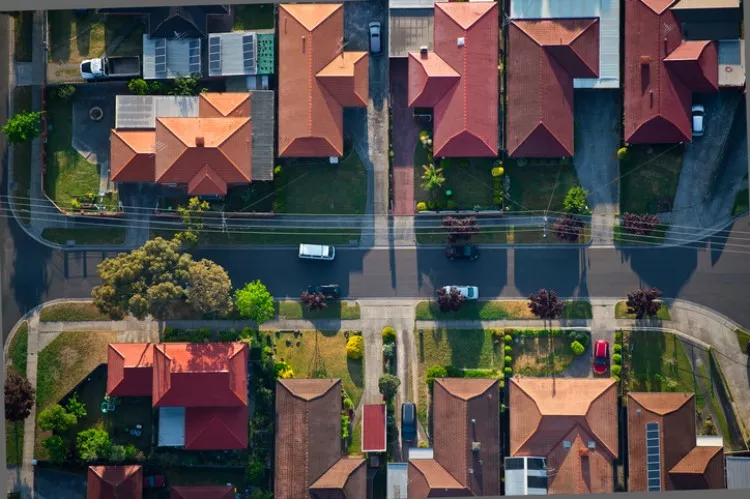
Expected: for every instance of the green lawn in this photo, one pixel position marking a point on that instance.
(355, 444)
(542, 355)
(621, 312)
(319, 188)
(14, 442)
(23, 22)
(18, 349)
(293, 310)
(539, 188)
(22, 156)
(72, 312)
(256, 197)
(254, 16)
(500, 235)
(272, 236)
(741, 202)
(656, 236)
(93, 235)
(176, 475)
(496, 310)
(331, 359)
(68, 174)
(649, 177)
(74, 37)
(743, 338)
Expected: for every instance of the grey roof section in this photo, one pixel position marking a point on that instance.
(171, 427)
(262, 115)
(409, 30)
(410, 4)
(166, 59)
(397, 480)
(608, 12)
(738, 472)
(731, 63)
(141, 111)
(232, 54)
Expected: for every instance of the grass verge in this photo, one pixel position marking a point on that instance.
(22, 157)
(621, 312)
(68, 312)
(743, 338)
(656, 236)
(94, 235)
(649, 177)
(501, 235)
(18, 349)
(496, 310)
(741, 202)
(294, 310)
(290, 236)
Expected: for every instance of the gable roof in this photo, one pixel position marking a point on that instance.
(129, 369)
(216, 428)
(200, 375)
(115, 482)
(427, 475)
(346, 479)
(460, 81)
(544, 58)
(202, 492)
(374, 428)
(316, 80)
(132, 155)
(548, 412)
(696, 63)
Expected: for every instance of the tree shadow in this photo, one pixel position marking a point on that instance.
(60, 32)
(650, 265)
(558, 270)
(355, 368)
(84, 25)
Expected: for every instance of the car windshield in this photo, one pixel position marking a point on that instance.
(600, 360)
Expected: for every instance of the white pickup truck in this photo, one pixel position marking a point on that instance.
(111, 67)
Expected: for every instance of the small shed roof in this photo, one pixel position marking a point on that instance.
(240, 53)
(373, 428)
(409, 30)
(164, 58)
(738, 472)
(397, 480)
(731, 63)
(171, 426)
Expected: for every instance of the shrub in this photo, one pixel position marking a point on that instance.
(575, 201)
(255, 473)
(283, 370)
(344, 426)
(421, 206)
(277, 170)
(138, 86)
(435, 372)
(56, 418)
(617, 358)
(423, 445)
(388, 385)
(508, 338)
(577, 348)
(451, 205)
(616, 377)
(389, 334)
(508, 370)
(56, 448)
(231, 335)
(76, 407)
(93, 444)
(65, 92)
(348, 404)
(616, 370)
(498, 171)
(508, 349)
(622, 153)
(389, 351)
(618, 348)
(355, 347)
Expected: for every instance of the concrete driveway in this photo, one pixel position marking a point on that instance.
(54, 484)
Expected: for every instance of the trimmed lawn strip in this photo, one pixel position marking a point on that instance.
(291, 236)
(22, 157)
(741, 202)
(621, 312)
(497, 310)
(93, 235)
(18, 349)
(69, 312)
(23, 22)
(295, 310)
(713, 398)
(656, 236)
(331, 358)
(254, 16)
(13, 442)
(539, 188)
(545, 354)
(649, 177)
(355, 444)
(743, 338)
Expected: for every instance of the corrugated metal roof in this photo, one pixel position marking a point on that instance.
(262, 115)
(608, 12)
(164, 59)
(398, 480)
(409, 30)
(419, 453)
(731, 63)
(232, 54)
(141, 111)
(171, 426)
(738, 472)
(410, 4)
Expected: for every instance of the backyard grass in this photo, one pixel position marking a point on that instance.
(355, 444)
(741, 202)
(295, 310)
(68, 312)
(23, 22)
(542, 355)
(74, 37)
(18, 349)
(272, 236)
(255, 16)
(22, 157)
(496, 310)
(656, 236)
(92, 235)
(649, 177)
(68, 174)
(319, 188)
(539, 188)
(621, 312)
(329, 358)
(743, 338)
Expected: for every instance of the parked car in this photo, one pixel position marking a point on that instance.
(698, 113)
(468, 292)
(462, 252)
(601, 357)
(408, 422)
(375, 42)
(154, 482)
(317, 252)
(111, 67)
(327, 290)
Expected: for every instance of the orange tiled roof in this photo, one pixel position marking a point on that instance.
(129, 369)
(107, 482)
(132, 155)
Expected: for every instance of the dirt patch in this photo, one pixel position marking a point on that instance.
(542, 355)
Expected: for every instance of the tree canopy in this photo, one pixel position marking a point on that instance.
(641, 302)
(23, 127)
(255, 302)
(93, 444)
(19, 397)
(388, 385)
(56, 418)
(546, 305)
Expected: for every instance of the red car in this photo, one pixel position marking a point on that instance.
(601, 357)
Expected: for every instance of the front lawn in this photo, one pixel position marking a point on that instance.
(743, 338)
(74, 37)
(496, 310)
(655, 237)
(539, 187)
(741, 202)
(256, 197)
(93, 235)
(22, 157)
(542, 354)
(69, 312)
(621, 312)
(323, 353)
(649, 177)
(254, 16)
(294, 310)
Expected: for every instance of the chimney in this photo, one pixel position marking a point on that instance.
(460, 41)
(200, 141)
(583, 452)
(423, 51)
(645, 60)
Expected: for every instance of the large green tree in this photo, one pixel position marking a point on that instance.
(23, 127)
(93, 444)
(192, 217)
(255, 302)
(56, 418)
(158, 279)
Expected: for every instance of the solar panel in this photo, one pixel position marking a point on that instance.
(653, 459)
(160, 57)
(195, 56)
(248, 53)
(214, 56)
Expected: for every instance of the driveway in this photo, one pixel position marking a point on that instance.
(405, 138)
(53, 484)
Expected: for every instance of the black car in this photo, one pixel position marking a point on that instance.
(408, 422)
(327, 290)
(462, 252)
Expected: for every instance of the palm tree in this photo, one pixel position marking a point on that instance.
(432, 178)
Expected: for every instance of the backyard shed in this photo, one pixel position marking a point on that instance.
(373, 428)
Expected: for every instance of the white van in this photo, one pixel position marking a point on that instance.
(316, 252)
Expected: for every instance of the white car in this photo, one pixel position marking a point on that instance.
(468, 292)
(698, 113)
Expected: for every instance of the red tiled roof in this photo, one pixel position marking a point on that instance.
(373, 428)
(132, 155)
(696, 63)
(202, 492)
(226, 104)
(200, 375)
(460, 82)
(315, 80)
(702, 468)
(346, 479)
(216, 428)
(428, 477)
(544, 58)
(115, 482)
(129, 369)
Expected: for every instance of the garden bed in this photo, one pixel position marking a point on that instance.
(621, 312)
(542, 352)
(17, 354)
(497, 310)
(649, 176)
(295, 310)
(72, 312)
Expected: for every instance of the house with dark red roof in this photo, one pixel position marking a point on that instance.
(200, 390)
(120, 482)
(661, 73)
(465, 458)
(664, 450)
(570, 424)
(317, 80)
(309, 462)
(544, 57)
(374, 428)
(459, 79)
(202, 492)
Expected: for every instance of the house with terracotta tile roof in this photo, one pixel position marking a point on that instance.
(206, 146)
(544, 57)
(309, 462)
(465, 458)
(664, 450)
(570, 423)
(458, 79)
(202, 492)
(317, 80)
(121, 482)
(661, 73)
(200, 390)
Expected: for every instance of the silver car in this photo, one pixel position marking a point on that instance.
(468, 292)
(375, 42)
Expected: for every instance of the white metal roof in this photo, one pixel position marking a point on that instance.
(232, 54)
(397, 480)
(608, 12)
(141, 111)
(738, 472)
(521, 475)
(171, 426)
(165, 59)
(419, 453)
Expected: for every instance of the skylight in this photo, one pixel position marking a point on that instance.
(653, 460)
